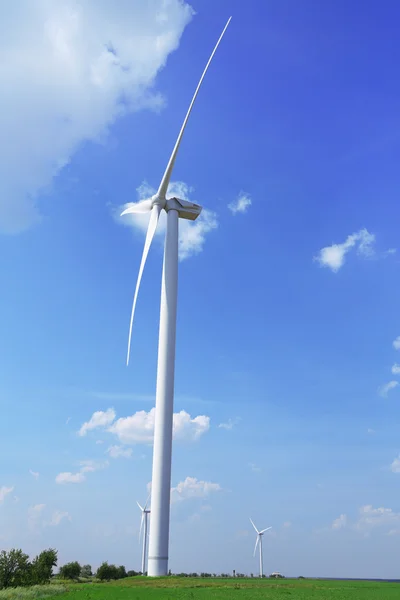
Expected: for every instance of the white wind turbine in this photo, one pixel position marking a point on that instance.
(143, 527)
(259, 541)
(161, 477)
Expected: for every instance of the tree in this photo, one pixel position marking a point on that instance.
(86, 571)
(15, 568)
(121, 572)
(105, 572)
(71, 570)
(42, 566)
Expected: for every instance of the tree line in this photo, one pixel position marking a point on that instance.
(16, 570)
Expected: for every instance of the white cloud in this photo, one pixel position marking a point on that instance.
(396, 343)
(68, 477)
(34, 474)
(334, 256)
(99, 418)
(371, 517)
(395, 466)
(241, 204)
(139, 427)
(69, 70)
(4, 491)
(394, 532)
(193, 488)
(192, 234)
(340, 522)
(230, 424)
(396, 369)
(58, 516)
(119, 452)
(385, 389)
(186, 428)
(68, 420)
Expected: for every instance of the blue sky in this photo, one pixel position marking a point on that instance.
(288, 308)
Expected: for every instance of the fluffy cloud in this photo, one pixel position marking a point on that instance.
(193, 488)
(340, 522)
(98, 419)
(241, 204)
(69, 70)
(4, 491)
(34, 474)
(396, 369)
(192, 234)
(119, 452)
(385, 389)
(334, 256)
(396, 343)
(139, 427)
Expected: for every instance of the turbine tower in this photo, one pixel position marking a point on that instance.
(162, 452)
(259, 541)
(143, 522)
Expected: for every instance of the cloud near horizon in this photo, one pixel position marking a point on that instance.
(69, 70)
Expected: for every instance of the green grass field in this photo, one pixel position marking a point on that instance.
(141, 588)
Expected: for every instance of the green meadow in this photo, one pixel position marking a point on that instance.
(138, 588)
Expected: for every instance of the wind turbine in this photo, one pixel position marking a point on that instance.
(161, 477)
(143, 522)
(259, 540)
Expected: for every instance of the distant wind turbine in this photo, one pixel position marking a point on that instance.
(161, 477)
(259, 541)
(144, 528)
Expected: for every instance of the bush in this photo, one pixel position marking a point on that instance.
(32, 593)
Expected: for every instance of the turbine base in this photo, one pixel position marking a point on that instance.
(157, 566)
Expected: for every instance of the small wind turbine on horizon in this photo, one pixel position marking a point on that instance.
(144, 528)
(259, 541)
(162, 451)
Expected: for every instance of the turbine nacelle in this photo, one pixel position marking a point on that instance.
(186, 210)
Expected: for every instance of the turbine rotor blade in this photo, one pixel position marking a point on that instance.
(147, 501)
(255, 547)
(155, 213)
(162, 190)
(267, 529)
(138, 208)
(141, 507)
(254, 527)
